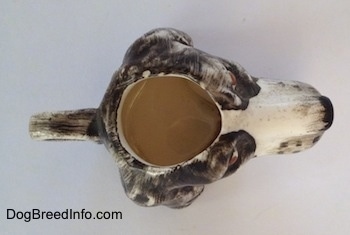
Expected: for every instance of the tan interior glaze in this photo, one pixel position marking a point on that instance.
(167, 120)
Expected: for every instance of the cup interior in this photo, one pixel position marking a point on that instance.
(166, 120)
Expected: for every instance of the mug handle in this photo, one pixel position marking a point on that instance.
(65, 125)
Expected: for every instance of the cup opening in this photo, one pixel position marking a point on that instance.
(166, 120)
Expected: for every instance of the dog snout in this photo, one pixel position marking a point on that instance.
(328, 111)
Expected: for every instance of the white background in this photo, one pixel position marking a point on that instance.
(60, 55)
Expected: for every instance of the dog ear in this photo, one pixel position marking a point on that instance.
(245, 85)
(155, 42)
(236, 95)
(233, 87)
(229, 100)
(242, 146)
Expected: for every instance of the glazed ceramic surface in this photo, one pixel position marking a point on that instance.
(258, 117)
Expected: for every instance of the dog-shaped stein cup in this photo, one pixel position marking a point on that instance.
(176, 118)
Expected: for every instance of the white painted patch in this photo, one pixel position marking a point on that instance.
(146, 74)
(282, 112)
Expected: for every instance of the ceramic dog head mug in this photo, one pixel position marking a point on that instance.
(176, 118)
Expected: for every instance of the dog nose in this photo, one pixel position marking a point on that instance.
(328, 111)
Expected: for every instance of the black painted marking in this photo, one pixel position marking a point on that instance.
(329, 112)
(316, 139)
(284, 145)
(297, 87)
(299, 143)
(143, 199)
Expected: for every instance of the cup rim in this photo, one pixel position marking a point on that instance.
(122, 139)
